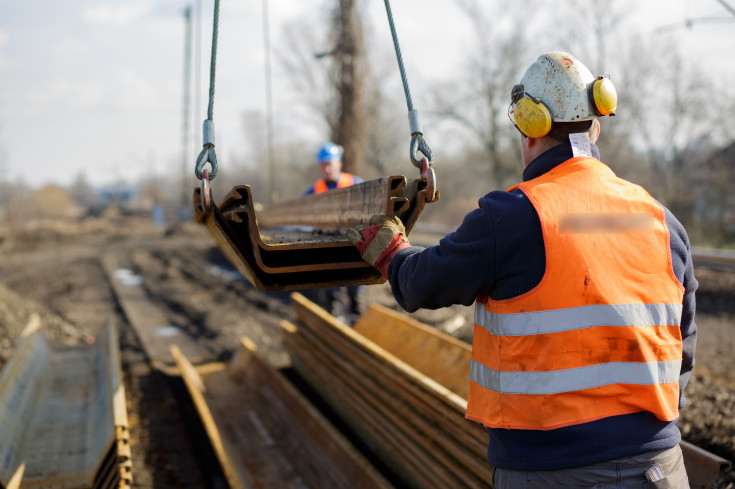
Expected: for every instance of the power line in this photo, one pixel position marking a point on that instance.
(727, 6)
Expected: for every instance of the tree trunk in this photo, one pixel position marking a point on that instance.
(348, 72)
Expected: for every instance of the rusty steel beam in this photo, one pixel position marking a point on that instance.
(63, 416)
(713, 258)
(338, 209)
(265, 432)
(703, 467)
(300, 243)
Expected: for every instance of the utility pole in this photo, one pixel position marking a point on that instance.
(185, 155)
(348, 75)
(5, 190)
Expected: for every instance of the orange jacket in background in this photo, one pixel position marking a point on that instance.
(345, 180)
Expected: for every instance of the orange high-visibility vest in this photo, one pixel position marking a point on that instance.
(345, 180)
(599, 336)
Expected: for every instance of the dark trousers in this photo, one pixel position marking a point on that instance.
(625, 473)
(343, 302)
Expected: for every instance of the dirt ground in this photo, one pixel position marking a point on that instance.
(55, 270)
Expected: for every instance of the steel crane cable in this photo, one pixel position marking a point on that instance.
(208, 155)
(417, 139)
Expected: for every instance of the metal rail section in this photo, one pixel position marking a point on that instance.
(63, 420)
(402, 385)
(300, 243)
(714, 258)
(265, 433)
(149, 320)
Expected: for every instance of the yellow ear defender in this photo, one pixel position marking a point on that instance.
(603, 96)
(533, 118)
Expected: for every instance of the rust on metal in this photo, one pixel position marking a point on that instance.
(149, 320)
(703, 467)
(300, 243)
(414, 425)
(266, 433)
(370, 373)
(63, 418)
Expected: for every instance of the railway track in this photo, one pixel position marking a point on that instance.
(713, 258)
(181, 431)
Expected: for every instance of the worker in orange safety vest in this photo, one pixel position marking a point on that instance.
(584, 296)
(329, 157)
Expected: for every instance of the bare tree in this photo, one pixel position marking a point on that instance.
(348, 73)
(300, 60)
(331, 80)
(667, 102)
(664, 101)
(586, 29)
(479, 101)
(385, 128)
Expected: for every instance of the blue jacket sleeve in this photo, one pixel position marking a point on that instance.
(450, 272)
(681, 259)
(471, 261)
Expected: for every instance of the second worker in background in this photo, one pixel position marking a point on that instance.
(329, 158)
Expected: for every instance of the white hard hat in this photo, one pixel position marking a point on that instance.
(557, 87)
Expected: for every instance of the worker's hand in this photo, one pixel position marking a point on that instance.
(379, 241)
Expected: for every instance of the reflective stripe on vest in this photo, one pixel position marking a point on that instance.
(599, 336)
(556, 321)
(344, 180)
(559, 381)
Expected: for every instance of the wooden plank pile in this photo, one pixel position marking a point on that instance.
(264, 431)
(63, 420)
(412, 422)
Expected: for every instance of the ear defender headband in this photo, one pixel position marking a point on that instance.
(533, 118)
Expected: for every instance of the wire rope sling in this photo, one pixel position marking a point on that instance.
(300, 243)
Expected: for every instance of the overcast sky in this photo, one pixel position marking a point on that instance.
(95, 86)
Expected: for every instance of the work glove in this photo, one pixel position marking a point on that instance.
(379, 242)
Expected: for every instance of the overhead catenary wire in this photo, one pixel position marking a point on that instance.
(727, 6)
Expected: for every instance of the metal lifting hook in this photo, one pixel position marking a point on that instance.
(418, 144)
(429, 176)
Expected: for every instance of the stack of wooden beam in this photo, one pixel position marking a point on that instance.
(412, 422)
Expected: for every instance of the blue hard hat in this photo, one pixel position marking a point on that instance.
(329, 152)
